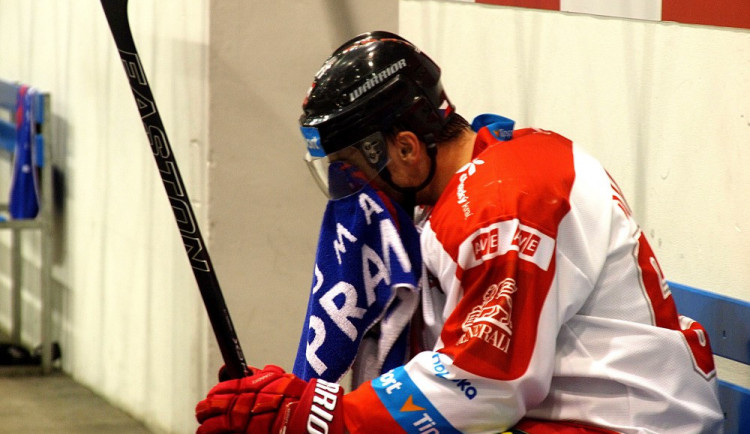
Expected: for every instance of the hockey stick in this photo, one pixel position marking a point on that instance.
(116, 12)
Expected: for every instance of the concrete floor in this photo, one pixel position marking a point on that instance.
(55, 404)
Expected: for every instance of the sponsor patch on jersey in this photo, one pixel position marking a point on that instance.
(312, 137)
(407, 404)
(502, 237)
(442, 371)
(491, 320)
(462, 198)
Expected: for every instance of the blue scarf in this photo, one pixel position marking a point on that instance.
(366, 256)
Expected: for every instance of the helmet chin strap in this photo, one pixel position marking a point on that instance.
(410, 193)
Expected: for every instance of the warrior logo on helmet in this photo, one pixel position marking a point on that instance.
(376, 79)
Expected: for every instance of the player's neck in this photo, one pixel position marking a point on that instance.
(451, 156)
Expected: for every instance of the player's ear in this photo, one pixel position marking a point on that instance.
(408, 147)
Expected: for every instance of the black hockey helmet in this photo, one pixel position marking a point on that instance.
(371, 84)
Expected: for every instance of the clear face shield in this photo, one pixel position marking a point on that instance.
(346, 171)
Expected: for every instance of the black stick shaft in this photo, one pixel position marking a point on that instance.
(208, 284)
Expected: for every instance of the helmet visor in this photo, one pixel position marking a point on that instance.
(346, 171)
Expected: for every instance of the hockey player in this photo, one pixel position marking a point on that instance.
(551, 313)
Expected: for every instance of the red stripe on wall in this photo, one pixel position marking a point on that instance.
(726, 13)
(553, 5)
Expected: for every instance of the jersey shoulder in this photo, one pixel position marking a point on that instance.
(528, 178)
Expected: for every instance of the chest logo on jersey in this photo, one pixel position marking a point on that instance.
(491, 321)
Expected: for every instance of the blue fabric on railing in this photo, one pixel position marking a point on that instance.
(24, 194)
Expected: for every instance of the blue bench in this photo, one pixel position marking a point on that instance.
(727, 321)
(42, 222)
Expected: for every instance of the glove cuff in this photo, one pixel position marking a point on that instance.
(319, 410)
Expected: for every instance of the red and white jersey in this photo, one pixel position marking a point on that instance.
(552, 306)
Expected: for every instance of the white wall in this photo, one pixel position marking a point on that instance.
(665, 107)
(128, 315)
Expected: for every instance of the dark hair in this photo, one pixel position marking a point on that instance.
(456, 125)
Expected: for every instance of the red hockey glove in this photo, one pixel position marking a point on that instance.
(271, 401)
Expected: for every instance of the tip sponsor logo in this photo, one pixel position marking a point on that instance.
(410, 406)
